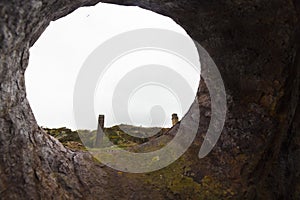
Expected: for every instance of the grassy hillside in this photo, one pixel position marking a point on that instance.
(120, 135)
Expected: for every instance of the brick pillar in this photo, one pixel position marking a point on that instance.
(100, 131)
(174, 119)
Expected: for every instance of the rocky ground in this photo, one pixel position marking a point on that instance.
(181, 180)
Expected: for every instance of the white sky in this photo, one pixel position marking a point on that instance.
(58, 55)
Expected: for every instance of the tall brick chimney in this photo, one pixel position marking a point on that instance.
(100, 131)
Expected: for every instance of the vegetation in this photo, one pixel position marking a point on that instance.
(176, 180)
(119, 135)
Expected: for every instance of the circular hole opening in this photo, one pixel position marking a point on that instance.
(57, 57)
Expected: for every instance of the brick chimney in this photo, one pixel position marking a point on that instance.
(174, 119)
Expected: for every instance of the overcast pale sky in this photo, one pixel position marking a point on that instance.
(56, 58)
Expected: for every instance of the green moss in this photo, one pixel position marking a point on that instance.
(74, 145)
(172, 179)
